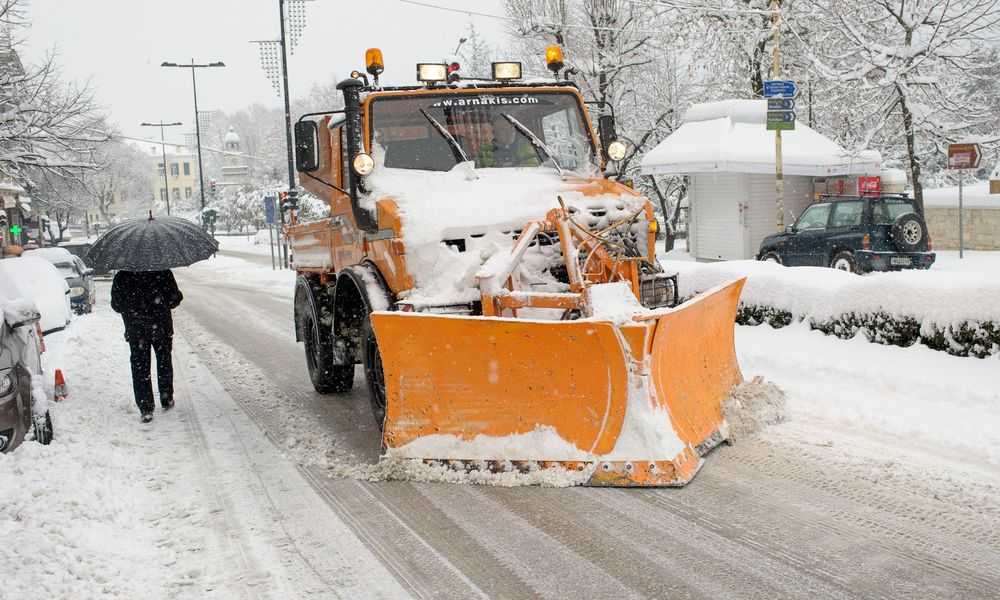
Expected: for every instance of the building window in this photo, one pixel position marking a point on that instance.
(187, 168)
(177, 193)
(163, 194)
(159, 169)
(175, 169)
(187, 190)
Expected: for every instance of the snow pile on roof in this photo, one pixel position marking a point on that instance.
(941, 298)
(976, 195)
(41, 283)
(731, 136)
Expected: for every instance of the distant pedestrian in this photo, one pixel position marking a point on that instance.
(145, 300)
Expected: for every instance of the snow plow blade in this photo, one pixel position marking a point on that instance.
(634, 404)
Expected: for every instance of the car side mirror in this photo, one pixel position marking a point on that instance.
(28, 318)
(306, 142)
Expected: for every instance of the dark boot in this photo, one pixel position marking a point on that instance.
(146, 417)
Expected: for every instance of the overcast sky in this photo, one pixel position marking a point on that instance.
(119, 45)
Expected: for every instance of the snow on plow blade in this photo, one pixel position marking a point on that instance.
(634, 404)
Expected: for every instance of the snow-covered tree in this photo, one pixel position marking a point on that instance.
(900, 74)
(121, 178)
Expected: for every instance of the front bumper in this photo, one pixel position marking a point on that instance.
(870, 260)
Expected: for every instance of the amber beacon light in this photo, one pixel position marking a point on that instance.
(554, 58)
(373, 61)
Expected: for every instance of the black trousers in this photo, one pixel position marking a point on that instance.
(142, 385)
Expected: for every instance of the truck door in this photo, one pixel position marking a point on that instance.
(808, 246)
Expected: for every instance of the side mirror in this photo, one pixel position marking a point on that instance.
(606, 131)
(306, 142)
(27, 318)
(789, 228)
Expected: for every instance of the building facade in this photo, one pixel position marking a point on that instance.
(182, 175)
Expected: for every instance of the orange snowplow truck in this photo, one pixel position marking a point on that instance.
(501, 293)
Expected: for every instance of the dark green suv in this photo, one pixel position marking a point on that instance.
(854, 233)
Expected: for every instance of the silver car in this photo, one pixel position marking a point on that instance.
(20, 368)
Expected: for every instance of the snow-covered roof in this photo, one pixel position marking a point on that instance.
(10, 186)
(731, 137)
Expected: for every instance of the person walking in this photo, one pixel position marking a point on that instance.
(144, 300)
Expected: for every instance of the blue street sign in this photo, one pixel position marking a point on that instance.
(780, 104)
(780, 88)
(780, 116)
(270, 216)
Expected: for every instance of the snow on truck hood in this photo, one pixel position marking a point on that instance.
(482, 207)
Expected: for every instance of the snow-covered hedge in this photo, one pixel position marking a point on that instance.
(958, 313)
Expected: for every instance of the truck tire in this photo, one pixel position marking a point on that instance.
(326, 376)
(374, 375)
(909, 233)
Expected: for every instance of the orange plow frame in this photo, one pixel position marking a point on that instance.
(471, 379)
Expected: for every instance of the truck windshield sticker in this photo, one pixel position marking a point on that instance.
(486, 100)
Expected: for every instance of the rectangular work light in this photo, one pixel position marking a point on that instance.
(432, 72)
(506, 71)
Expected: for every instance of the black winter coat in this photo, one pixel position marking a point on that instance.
(145, 301)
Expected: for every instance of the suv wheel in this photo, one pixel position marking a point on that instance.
(844, 261)
(771, 256)
(909, 233)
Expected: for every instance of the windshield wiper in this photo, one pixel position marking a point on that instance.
(456, 148)
(535, 141)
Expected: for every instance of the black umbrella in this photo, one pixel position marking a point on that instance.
(152, 244)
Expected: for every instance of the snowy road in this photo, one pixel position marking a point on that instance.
(813, 510)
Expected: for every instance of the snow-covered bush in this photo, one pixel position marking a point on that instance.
(954, 313)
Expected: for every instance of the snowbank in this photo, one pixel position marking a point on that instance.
(914, 393)
(957, 311)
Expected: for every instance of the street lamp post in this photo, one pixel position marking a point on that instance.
(163, 147)
(197, 125)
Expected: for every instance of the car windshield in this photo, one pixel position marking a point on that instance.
(887, 210)
(422, 132)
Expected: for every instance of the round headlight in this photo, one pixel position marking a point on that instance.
(616, 150)
(363, 164)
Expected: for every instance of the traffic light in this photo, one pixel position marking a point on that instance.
(3, 220)
(211, 187)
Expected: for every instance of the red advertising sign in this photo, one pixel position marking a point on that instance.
(870, 185)
(964, 156)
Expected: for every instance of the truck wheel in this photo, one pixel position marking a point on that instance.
(844, 261)
(326, 377)
(374, 374)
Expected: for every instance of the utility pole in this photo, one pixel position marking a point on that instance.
(197, 124)
(292, 202)
(163, 147)
(779, 180)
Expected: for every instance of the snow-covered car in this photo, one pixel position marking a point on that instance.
(43, 285)
(79, 277)
(23, 403)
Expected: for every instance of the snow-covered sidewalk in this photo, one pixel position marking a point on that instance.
(197, 504)
(927, 398)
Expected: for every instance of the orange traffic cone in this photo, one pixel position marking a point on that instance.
(61, 391)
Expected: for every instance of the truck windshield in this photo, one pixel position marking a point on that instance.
(405, 130)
